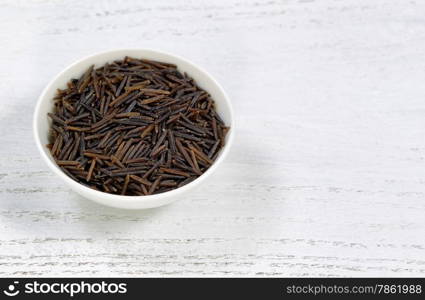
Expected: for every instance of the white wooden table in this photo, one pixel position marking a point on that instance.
(327, 173)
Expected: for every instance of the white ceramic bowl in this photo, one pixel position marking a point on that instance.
(45, 104)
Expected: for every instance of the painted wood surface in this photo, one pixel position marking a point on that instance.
(326, 176)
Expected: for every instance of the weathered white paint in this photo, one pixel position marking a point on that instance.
(327, 174)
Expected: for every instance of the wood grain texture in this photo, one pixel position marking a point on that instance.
(326, 177)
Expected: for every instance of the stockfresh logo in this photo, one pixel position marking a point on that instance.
(64, 288)
(12, 289)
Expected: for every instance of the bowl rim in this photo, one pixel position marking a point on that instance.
(103, 197)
